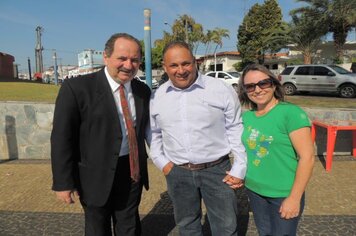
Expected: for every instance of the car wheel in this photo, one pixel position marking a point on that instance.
(235, 86)
(347, 91)
(289, 89)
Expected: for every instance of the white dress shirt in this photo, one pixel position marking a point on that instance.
(130, 99)
(198, 124)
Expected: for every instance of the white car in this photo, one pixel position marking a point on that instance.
(231, 78)
(142, 78)
(318, 78)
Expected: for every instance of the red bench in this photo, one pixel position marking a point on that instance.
(331, 128)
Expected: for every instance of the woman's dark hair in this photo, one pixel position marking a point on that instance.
(278, 93)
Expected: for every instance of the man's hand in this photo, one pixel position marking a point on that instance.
(232, 181)
(167, 168)
(67, 196)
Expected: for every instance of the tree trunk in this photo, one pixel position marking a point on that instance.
(307, 58)
(340, 34)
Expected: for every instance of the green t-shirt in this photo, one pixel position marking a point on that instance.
(272, 160)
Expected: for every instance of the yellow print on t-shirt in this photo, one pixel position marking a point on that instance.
(259, 144)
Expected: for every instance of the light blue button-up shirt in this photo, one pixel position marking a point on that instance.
(198, 124)
(124, 150)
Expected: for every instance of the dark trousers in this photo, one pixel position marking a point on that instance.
(120, 213)
(267, 217)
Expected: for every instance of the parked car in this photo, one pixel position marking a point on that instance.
(229, 77)
(142, 78)
(353, 67)
(318, 78)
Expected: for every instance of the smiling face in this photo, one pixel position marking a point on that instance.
(179, 64)
(261, 97)
(124, 61)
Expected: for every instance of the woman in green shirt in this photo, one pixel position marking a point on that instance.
(279, 149)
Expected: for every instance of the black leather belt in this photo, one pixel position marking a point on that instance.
(201, 166)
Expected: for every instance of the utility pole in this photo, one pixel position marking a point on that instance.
(29, 68)
(38, 50)
(60, 68)
(186, 31)
(55, 68)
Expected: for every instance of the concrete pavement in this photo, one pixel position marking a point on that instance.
(29, 207)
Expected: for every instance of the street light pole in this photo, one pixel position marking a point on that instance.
(55, 68)
(186, 31)
(147, 41)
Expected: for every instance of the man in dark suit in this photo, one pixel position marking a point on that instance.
(91, 143)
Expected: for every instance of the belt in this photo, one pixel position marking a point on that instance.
(201, 166)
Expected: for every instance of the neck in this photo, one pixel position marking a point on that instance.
(264, 109)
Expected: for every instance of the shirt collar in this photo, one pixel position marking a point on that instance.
(199, 82)
(115, 85)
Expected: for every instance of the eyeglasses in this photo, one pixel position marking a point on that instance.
(263, 84)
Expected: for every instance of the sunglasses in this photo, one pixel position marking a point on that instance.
(263, 84)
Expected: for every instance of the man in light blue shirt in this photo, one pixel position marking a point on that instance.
(196, 122)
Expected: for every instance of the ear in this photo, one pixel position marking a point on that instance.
(164, 67)
(105, 58)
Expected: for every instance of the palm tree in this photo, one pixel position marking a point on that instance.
(306, 35)
(214, 36)
(217, 35)
(303, 33)
(186, 29)
(338, 15)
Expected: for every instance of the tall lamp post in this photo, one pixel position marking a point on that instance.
(55, 68)
(147, 40)
(166, 23)
(186, 31)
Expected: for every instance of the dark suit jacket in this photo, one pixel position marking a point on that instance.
(86, 136)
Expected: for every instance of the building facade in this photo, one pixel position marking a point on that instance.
(7, 66)
(89, 61)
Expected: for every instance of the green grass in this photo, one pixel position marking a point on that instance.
(322, 101)
(27, 91)
(37, 92)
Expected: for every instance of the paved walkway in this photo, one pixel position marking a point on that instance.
(28, 206)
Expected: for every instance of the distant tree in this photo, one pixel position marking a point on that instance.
(217, 36)
(247, 35)
(337, 15)
(256, 31)
(212, 37)
(157, 50)
(305, 34)
(143, 59)
(186, 29)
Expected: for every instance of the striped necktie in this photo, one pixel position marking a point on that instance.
(133, 150)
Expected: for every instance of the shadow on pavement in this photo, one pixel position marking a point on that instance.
(160, 220)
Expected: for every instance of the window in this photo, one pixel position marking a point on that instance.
(211, 74)
(303, 70)
(320, 70)
(341, 70)
(221, 75)
(287, 71)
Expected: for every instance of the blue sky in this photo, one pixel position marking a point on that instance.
(71, 26)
